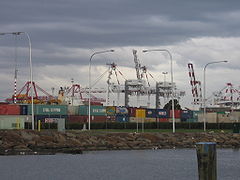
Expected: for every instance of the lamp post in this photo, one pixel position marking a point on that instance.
(171, 64)
(30, 64)
(89, 84)
(204, 91)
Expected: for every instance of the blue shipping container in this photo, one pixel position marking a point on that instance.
(121, 110)
(186, 114)
(23, 109)
(162, 113)
(122, 118)
(151, 113)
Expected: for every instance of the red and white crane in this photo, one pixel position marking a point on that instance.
(196, 86)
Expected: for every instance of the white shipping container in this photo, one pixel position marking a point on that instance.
(211, 117)
(12, 121)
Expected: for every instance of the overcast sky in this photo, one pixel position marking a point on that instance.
(64, 35)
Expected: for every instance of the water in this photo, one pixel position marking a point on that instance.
(180, 164)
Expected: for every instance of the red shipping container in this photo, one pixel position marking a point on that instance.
(177, 113)
(162, 120)
(77, 119)
(132, 111)
(9, 109)
(98, 119)
(111, 118)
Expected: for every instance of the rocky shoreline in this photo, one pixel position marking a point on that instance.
(28, 142)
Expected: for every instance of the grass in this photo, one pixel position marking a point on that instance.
(161, 130)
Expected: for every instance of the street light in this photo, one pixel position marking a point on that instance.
(30, 64)
(204, 91)
(89, 85)
(171, 61)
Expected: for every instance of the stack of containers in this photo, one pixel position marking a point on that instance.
(195, 116)
(10, 117)
(98, 113)
(151, 115)
(162, 115)
(122, 114)
(48, 113)
(177, 115)
(111, 112)
(73, 115)
(186, 115)
(133, 111)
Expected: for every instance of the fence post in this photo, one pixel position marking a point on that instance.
(207, 160)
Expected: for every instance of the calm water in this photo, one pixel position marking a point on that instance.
(117, 165)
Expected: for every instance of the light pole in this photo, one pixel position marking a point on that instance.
(89, 84)
(204, 91)
(171, 64)
(30, 64)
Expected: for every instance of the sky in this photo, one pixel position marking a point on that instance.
(64, 34)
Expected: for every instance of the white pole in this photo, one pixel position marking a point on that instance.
(171, 64)
(31, 75)
(89, 85)
(204, 91)
(30, 64)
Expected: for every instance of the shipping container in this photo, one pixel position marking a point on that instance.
(111, 118)
(12, 121)
(73, 110)
(77, 119)
(196, 113)
(121, 110)
(9, 109)
(41, 109)
(132, 111)
(148, 120)
(186, 114)
(162, 113)
(210, 117)
(162, 119)
(151, 113)
(23, 109)
(176, 120)
(141, 113)
(135, 112)
(110, 110)
(136, 120)
(235, 116)
(122, 118)
(49, 118)
(191, 120)
(95, 110)
(177, 114)
(98, 119)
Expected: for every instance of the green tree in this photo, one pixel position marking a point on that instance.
(168, 106)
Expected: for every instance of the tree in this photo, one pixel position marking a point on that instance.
(168, 106)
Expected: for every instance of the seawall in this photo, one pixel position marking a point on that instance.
(14, 142)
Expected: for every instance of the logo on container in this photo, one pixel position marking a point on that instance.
(162, 113)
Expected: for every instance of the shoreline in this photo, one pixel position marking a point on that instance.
(49, 142)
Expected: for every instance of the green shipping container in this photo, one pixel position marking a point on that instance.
(41, 109)
(95, 110)
(196, 113)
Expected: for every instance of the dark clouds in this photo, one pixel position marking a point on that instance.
(67, 32)
(93, 24)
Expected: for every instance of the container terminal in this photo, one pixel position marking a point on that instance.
(71, 105)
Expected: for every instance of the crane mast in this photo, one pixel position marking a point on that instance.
(137, 64)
